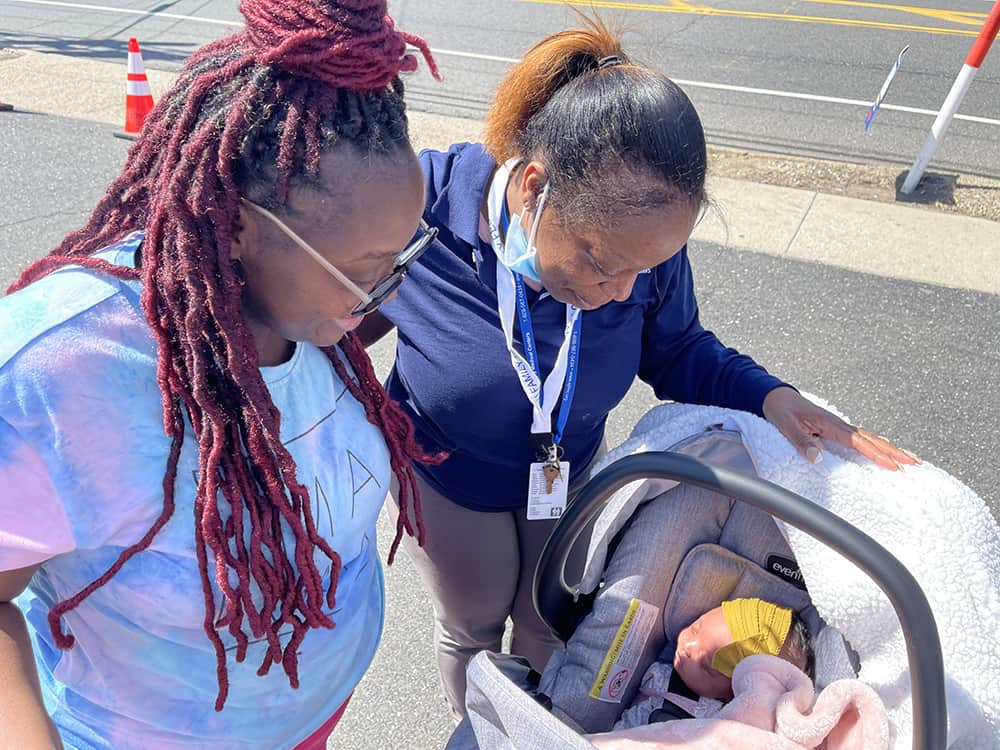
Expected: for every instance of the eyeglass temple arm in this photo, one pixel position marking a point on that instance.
(358, 291)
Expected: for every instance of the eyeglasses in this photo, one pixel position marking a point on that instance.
(385, 286)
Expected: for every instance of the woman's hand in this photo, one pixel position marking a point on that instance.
(804, 423)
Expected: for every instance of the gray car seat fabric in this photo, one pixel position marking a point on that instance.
(710, 575)
(667, 569)
(652, 547)
(835, 659)
(719, 446)
(672, 558)
(502, 715)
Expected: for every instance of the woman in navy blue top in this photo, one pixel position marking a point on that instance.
(559, 274)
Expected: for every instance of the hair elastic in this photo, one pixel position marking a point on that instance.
(608, 61)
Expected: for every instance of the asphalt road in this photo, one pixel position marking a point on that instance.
(765, 76)
(912, 361)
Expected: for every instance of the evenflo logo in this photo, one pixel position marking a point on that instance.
(787, 570)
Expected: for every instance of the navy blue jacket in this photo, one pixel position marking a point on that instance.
(453, 371)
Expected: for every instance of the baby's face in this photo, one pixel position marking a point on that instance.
(696, 647)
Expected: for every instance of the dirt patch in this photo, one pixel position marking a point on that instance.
(956, 193)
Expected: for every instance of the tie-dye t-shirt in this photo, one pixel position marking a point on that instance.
(82, 459)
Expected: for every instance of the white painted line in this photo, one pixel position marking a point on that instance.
(828, 99)
(751, 90)
(131, 12)
(511, 60)
(474, 55)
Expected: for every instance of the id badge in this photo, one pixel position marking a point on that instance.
(547, 491)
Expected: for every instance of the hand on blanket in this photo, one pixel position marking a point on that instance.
(804, 423)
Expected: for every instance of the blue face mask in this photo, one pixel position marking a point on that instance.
(519, 251)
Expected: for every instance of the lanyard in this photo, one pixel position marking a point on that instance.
(512, 298)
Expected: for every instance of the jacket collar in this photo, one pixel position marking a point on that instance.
(468, 181)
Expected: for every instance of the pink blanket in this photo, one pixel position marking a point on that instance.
(775, 708)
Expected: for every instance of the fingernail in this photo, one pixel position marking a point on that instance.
(814, 454)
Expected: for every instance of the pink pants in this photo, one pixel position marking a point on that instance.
(317, 740)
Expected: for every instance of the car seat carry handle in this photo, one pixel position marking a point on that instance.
(557, 605)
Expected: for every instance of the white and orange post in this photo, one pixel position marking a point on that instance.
(954, 98)
(138, 96)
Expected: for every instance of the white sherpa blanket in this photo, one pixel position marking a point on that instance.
(936, 526)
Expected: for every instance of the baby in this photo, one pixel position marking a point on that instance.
(694, 678)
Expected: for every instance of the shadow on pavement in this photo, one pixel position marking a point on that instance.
(173, 54)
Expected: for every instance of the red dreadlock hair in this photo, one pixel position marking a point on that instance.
(249, 115)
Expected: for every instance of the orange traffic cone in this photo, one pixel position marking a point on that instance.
(138, 97)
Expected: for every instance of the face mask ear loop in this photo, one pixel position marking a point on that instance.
(538, 217)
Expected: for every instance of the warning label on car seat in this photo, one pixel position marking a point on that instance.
(625, 652)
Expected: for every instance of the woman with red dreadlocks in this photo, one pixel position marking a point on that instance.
(193, 445)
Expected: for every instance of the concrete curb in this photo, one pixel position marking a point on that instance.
(901, 242)
(888, 240)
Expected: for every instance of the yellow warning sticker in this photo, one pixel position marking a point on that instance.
(625, 651)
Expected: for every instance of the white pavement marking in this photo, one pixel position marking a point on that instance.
(829, 99)
(474, 55)
(511, 60)
(751, 90)
(131, 12)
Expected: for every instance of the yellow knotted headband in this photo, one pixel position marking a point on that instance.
(757, 627)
